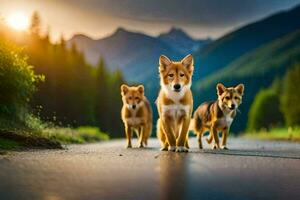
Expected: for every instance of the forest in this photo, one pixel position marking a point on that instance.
(46, 84)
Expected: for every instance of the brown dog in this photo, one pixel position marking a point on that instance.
(217, 116)
(136, 114)
(174, 103)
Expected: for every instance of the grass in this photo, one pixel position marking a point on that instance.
(9, 144)
(287, 134)
(32, 132)
(79, 135)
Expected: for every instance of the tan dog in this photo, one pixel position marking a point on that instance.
(174, 103)
(136, 114)
(217, 116)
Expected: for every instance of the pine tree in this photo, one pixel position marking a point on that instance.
(35, 24)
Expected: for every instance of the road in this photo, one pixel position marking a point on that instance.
(250, 170)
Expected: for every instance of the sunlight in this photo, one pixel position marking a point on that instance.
(18, 21)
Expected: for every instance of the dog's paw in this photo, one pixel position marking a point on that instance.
(214, 147)
(224, 147)
(141, 146)
(182, 149)
(128, 146)
(172, 148)
(164, 149)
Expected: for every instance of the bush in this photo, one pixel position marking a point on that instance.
(265, 111)
(291, 96)
(18, 82)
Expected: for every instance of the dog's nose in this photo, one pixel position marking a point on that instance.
(177, 86)
(232, 107)
(133, 106)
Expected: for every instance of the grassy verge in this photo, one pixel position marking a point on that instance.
(34, 133)
(287, 134)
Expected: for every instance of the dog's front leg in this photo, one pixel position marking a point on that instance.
(183, 135)
(225, 133)
(128, 131)
(166, 121)
(141, 136)
(214, 133)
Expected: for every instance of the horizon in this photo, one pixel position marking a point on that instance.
(216, 24)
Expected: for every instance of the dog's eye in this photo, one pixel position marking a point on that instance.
(130, 98)
(136, 98)
(171, 75)
(181, 75)
(236, 98)
(227, 98)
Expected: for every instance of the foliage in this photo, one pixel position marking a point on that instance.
(291, 97)
(264, 112)
(18, 82)
(291, 134)
(73, 94)
(78, 135)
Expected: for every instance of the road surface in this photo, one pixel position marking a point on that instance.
(250, 170)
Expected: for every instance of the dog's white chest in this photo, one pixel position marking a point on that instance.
(134, 120)
(176, 110)
(228, 120)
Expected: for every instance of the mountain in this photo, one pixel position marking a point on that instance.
(136, 54)
(256, 69)
(182, 42)
(226, 49)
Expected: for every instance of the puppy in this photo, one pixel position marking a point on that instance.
(217, 116)
(136, 114)
(174, 103)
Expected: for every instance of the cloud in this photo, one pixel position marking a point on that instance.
(192, 12)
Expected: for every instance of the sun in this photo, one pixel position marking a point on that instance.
(18, 21)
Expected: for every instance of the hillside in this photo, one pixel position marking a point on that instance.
(182, 42)
(256, 69)
(136, 54)
(226, 49)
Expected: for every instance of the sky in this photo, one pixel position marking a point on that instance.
(99, 18)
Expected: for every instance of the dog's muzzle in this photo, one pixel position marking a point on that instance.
(177, 87)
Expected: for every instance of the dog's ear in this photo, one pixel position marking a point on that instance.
(188, 62)
(124, 89)
(220, 89)
(164, 62)
(240, 88)
(141, 89)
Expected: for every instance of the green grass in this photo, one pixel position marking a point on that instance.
(78, 135)
(289, 134)
(33, 128)
(9, 144)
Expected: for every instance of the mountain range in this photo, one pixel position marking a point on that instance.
(136, 54)
(254, 54)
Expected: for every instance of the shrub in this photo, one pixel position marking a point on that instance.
(291, 97)
(265, 111)
(17, 82)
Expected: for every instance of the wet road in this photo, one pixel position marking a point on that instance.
(250, 170)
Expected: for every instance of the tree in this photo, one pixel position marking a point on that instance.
(18, 82)
(265, 110)
(35, 24)
(291, 96)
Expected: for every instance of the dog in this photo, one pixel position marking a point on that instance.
(217, 116)
(136, 114)
(174, 103)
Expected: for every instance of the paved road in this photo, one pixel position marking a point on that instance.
(250, 170)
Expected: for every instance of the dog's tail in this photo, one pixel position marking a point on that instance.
(195, 123)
